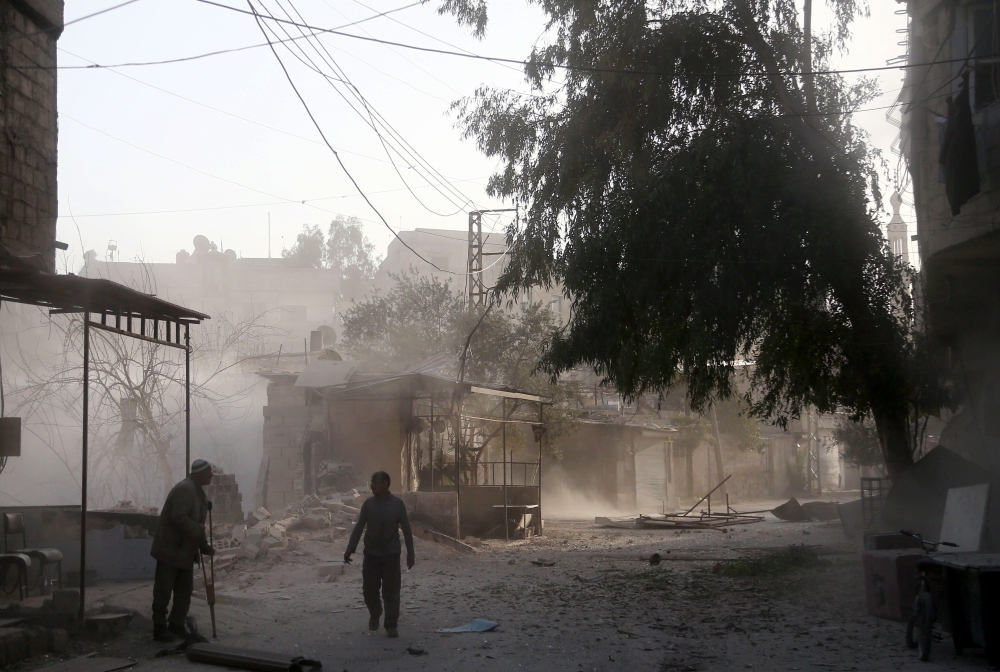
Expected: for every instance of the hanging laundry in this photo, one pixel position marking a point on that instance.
(958, 153)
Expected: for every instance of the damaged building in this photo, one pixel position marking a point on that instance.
(329, 426)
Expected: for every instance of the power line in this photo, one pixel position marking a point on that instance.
(375, 119)
(245, 205)
(103, 11)
(196, 57)
(583, 68)
(343, 167)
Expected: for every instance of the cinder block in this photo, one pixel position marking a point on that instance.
(38, 640)
(15, 644)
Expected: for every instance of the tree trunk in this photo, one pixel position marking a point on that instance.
(895, 442)
(719, 466)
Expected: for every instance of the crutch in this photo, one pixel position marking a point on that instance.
(210, 585)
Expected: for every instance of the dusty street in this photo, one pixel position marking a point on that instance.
(600, 607)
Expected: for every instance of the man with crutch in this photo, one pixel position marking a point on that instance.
(180, 536)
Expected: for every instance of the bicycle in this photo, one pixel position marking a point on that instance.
(921, 623)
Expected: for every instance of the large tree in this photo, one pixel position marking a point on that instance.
(712, 211)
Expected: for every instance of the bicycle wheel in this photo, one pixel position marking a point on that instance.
(923, 616)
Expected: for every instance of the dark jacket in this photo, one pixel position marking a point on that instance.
(383, 516)
(181, 530)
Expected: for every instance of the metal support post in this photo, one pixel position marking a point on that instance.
(83, 469)
(506, 520)
(187, 400)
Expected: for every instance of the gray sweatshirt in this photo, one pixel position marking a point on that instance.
(383, 516)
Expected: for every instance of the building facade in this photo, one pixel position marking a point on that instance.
(28, 198)
(951, 140)
(291, 301)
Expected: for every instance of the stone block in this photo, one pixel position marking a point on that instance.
(314, 521)
(292, 523)
(334, 568)
(58, 640)
(15, 644)
(240, 532)
(38, 640)
(66, 601)
(260, 514)
(277, 531)
(278, 554)
(269, 543)
(253, 538)
(250, 551)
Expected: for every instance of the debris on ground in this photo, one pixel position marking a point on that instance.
(793, 557)
(415, 651)
(542, 562)
(476, 625)
(260, 661)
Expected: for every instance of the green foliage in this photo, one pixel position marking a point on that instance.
(344, 247)
(858, 441)
(696, 219)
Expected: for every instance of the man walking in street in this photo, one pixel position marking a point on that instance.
(180, 536)
(383, 514)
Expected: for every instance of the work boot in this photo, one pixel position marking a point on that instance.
(162, 634)
(391, 632)
(373, 623)
(178, 630)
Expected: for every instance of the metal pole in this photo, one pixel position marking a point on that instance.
(506, 520)
(83, 469)
(187, 400)
(541, 421)
(430, 444)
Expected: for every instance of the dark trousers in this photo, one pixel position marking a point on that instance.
(179, 582)
(382, 571)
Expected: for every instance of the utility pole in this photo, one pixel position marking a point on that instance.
(476, 286)
(477, 290)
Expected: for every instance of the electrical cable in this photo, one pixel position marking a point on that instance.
(248, 205)
(196, 57)
(464, 201)
(343, 167)
(583, 68)
(376, 119)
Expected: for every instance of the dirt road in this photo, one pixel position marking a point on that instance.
(600, 607)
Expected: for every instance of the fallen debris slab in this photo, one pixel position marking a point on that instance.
(243, 659)
(431, 535)
(92, 664)
(476, 625)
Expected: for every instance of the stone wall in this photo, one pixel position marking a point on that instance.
(287, 419)
(28, 197)
(224, 493)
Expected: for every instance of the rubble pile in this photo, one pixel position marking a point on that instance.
(275, 537)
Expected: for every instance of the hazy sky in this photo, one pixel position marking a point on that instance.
(150, 156)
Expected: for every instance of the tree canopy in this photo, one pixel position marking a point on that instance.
(344, 247)
(711, 211)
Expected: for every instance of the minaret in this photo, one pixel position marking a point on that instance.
(898, 239)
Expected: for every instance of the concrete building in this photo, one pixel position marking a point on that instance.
(28, 199)
(951, 140)
(294, 301)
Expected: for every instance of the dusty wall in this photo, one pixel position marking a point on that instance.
(370, 434)
(28, 196)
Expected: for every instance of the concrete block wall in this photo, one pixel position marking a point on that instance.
(28, 196)
(286, 419)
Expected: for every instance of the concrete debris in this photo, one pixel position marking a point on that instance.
(260, 514)
(334, 568)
